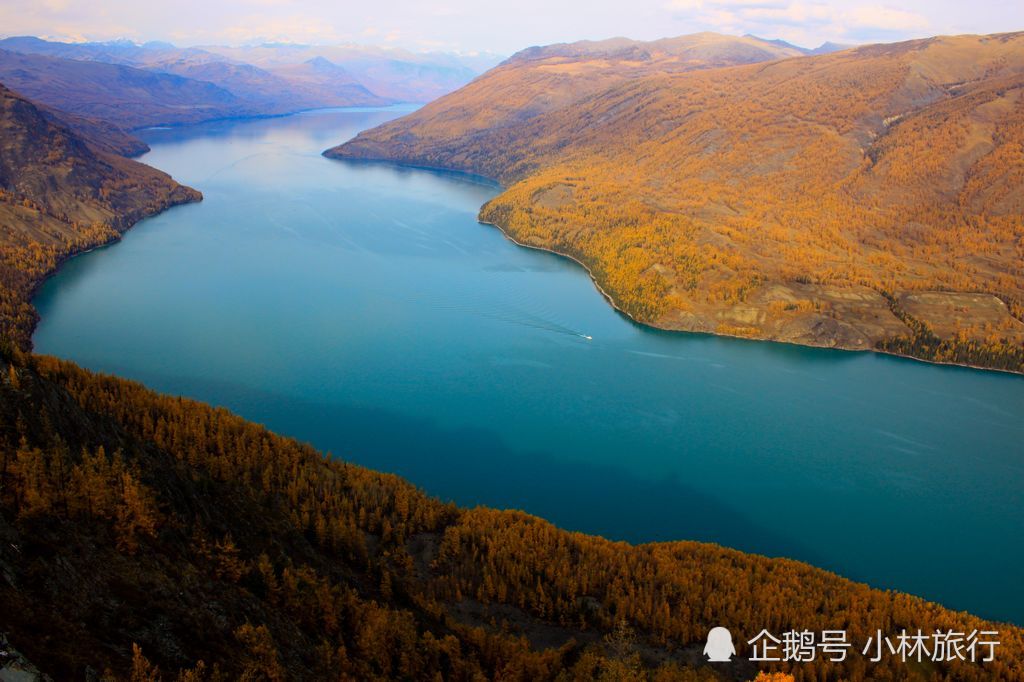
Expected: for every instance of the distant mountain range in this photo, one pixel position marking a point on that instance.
(867, 198)
(123, 95)
(824, 48)
(134, 86)
(396, 74)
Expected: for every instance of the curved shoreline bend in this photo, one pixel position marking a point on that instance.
(651, 325)
(332, 153)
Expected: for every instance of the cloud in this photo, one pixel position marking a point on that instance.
(803, 21)
(711, 4)
(885, 18)
(793, 13)
(443, 10)
(296, 28)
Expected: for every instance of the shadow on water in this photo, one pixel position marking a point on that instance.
(82, 266)
(408, 170)
(448, 463)
(253, 128)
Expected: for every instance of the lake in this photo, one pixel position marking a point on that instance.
(362, 308)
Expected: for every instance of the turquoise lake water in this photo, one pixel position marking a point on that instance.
(362, 308)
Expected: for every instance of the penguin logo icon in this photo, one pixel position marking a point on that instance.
(719, 648)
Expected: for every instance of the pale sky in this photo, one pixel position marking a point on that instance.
(499, 26)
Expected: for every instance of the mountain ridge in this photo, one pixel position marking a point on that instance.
(124, 95)
(708, 47)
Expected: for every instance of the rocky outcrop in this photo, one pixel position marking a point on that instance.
(16, 668)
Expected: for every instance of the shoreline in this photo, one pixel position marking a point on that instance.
(653, 326)
(611, 301)
(249, 117)
(485, 180)
(63, 260)
(478, 179)
(590, 273)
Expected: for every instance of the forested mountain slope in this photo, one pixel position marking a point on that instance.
(459, 130)
(62, 193)
(97, 133)
(130, 518)
(869, 198)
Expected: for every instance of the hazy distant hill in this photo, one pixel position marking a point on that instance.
(393, 73)
(868, 198)
(381, 73)
(124, 95)
(323, 76)
(824, 48)
(61, 193)
(249, 89)
(123, 52)
(282, 91)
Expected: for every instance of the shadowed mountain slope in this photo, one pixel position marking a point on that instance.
(61, 193)
(265, 79)
(123, 95)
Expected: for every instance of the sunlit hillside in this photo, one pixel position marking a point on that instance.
(870, 198)
(541, 80)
